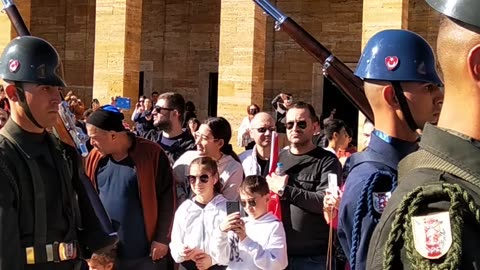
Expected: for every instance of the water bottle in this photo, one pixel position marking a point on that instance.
(280, 171)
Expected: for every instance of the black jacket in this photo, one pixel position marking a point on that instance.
(185, 142)
(59, 171)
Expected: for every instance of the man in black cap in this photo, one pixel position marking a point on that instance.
(432, 220)
(134, 180)
(43, 203)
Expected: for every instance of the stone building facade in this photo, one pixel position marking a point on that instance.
(221, 54)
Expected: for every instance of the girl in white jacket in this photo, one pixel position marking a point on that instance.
(196, 219)
(255, 242)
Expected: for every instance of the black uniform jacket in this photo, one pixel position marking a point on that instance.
(462, 152)
(17, 205)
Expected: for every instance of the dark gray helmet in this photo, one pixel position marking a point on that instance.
(463, 10)
(31, 59)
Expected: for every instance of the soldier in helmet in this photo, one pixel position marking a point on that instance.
(432, 219)
(402, 87)
(41, 197)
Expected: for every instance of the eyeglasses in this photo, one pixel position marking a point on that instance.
(264, 129)
(251, 202)
(300, 124)
(203, 178)
(159, 109)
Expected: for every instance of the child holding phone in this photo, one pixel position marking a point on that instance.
(257, 241)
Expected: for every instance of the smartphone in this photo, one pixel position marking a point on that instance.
(332, 183)
(232, 207)
(123, 103)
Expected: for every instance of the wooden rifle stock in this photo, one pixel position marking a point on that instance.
(335, 70)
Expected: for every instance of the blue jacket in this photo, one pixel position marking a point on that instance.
(379, 163)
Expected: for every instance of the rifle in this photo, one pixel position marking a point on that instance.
(66, 131)
(333, 69)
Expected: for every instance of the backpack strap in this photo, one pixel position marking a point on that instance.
(414, 203)
(370, 203)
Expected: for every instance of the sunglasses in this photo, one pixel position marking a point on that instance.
(203, 178)
(264, 129)
(159, 109)
(300, 124)
(251, 202)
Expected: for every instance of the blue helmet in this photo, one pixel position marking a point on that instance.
(398, 55)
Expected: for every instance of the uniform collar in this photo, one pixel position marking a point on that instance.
(33, 144)
(457, 148)
(391, 147)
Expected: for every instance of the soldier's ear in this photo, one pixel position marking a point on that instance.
(473, 62)
(11, 92)
(388, 95)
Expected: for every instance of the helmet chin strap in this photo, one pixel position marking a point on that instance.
(24, 105)
(402, 100)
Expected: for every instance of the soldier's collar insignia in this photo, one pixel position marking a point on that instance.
(380, 200)
(432, 235)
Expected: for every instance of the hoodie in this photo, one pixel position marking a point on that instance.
(230, 170)
(264, 247)
(194, 227)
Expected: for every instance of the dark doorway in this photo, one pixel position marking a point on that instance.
(334, 99)
(141, 79)
(212, 94)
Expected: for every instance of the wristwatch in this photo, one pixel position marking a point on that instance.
(281, 190)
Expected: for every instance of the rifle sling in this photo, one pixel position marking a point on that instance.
(40, 208)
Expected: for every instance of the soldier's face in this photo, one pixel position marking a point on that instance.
(425, 101)
(43, 101)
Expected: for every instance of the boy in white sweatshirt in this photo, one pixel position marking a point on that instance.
(255, 242)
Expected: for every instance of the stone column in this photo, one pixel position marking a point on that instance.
(241, 60)
(379, 15)
(118, 31)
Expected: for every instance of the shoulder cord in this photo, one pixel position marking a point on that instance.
(364, 207)
(461, 203)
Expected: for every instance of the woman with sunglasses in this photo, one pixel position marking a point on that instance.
(212, 139)
(258, 241)
(196, 219)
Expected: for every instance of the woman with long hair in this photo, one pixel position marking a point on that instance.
(213, 140)
(197, 218)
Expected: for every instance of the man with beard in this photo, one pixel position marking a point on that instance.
(168, 118)
(302, 189)
(256, 161)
